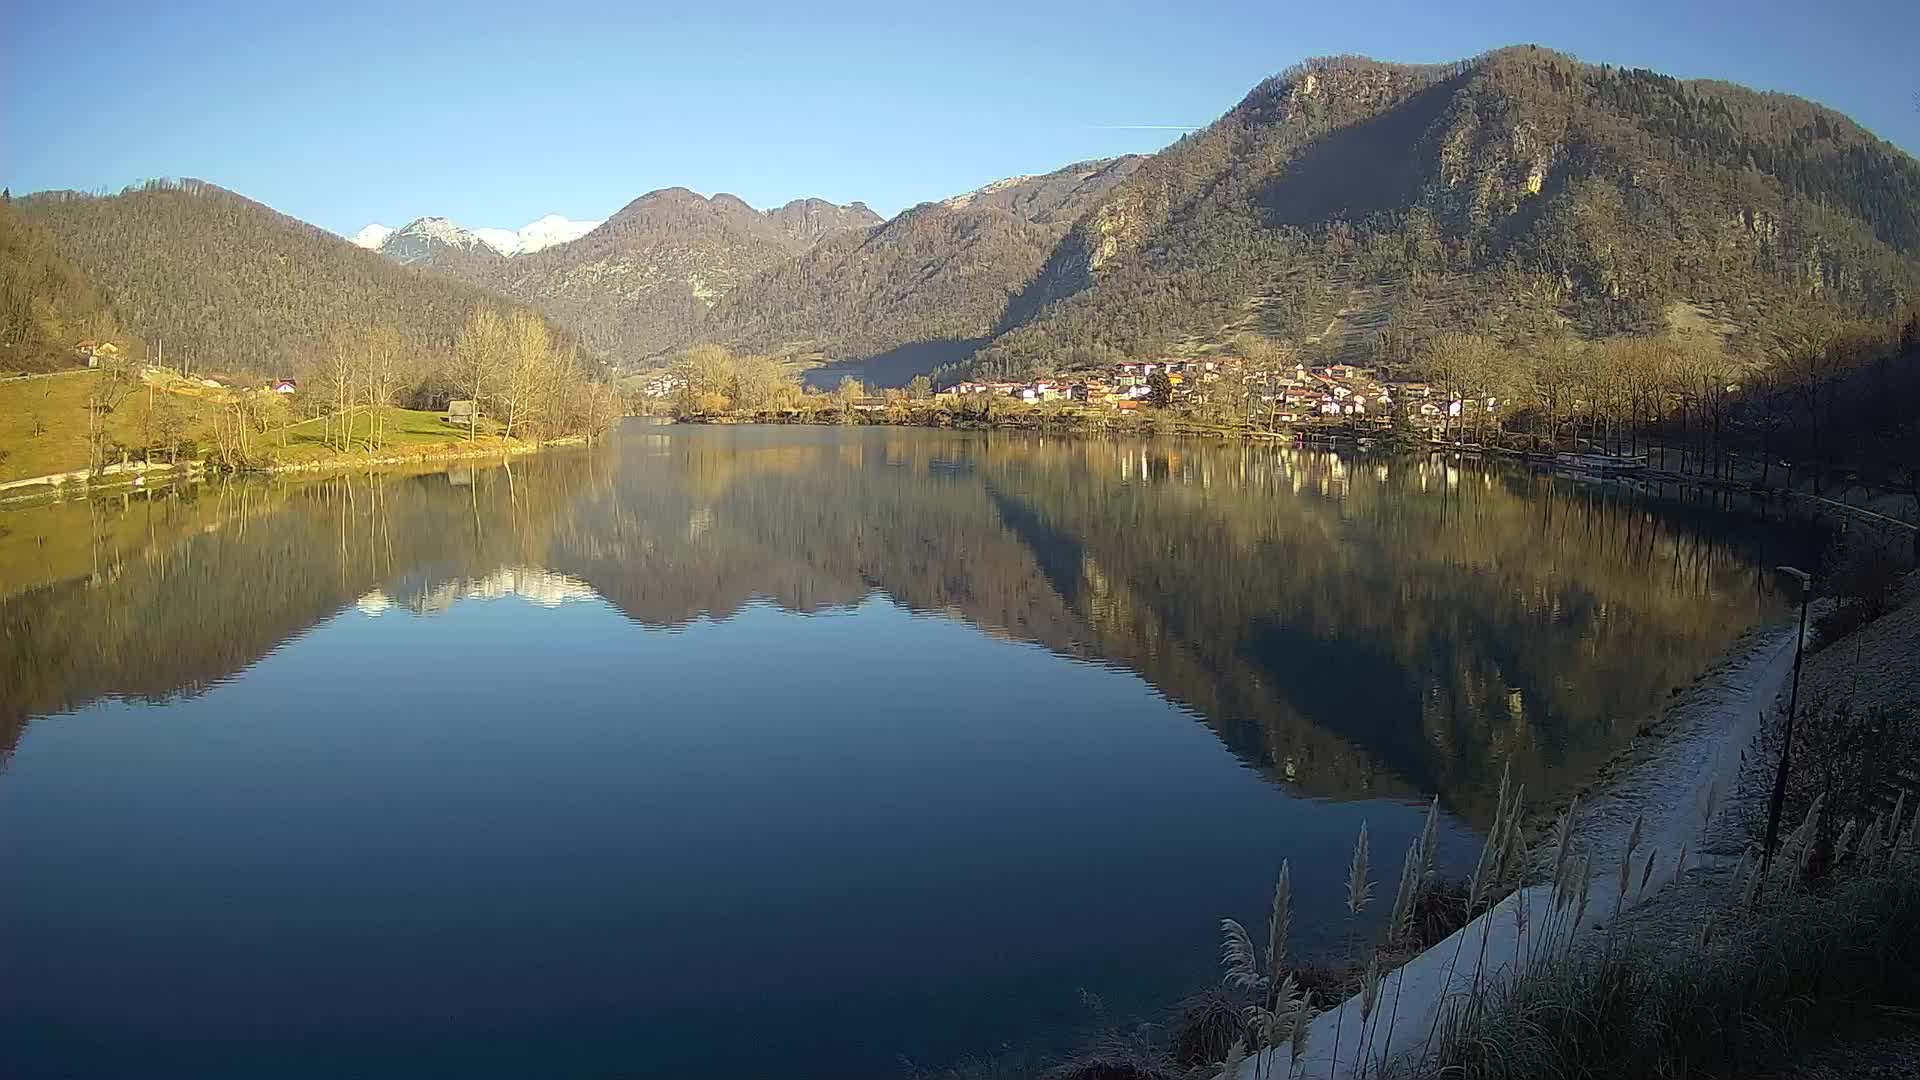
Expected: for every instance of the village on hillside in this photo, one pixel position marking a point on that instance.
(1297, 395)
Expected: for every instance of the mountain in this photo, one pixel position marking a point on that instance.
(229, 284)
(923, 288)
(1351, 207)
(421, 232)
(1057, 197)
(642, 280)
(371, 237)
(808, 220)
(440, 244)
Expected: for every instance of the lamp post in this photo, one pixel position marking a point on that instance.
(1793, 705)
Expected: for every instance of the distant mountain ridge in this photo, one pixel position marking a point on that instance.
(412, 240)
(939, 273)
(229, 284)
(638, 282)
(1346, 208)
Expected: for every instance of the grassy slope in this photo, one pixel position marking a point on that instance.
(59, 406)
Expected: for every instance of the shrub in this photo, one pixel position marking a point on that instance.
(1728, 1005)
(1840, 622)
(1206, 1027)
(1865, 566)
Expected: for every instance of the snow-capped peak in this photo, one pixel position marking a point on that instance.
(372, 236)
(504, 241)
(404, 243)
(439, 228)
(550, 230)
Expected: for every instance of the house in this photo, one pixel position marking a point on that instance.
(461, 411)
(97, 351)
(284, 386)
(663, 385)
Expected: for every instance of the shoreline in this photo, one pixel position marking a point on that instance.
(1695, 744)
(434, 453)
(1141, 425)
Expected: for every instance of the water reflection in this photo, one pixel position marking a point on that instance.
(1354, 626)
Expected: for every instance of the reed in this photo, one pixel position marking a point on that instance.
(1731, 1001)
(1359, 892)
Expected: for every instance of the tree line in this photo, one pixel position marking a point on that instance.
(519, 379)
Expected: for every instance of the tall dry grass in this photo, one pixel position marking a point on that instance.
(1784, 956)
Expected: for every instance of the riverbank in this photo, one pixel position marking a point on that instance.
(1796, 973)
(1648, 810)
(488, 447)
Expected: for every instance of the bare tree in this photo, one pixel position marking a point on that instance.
(479, 353)
(110, 386)
(529, 361)
(333, 375)
(383, 355)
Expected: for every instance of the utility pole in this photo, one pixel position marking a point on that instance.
(1793, 704)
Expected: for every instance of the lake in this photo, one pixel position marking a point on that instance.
(777, 751)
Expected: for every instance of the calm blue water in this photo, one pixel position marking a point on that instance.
(816, 753)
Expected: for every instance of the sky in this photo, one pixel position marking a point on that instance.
(347, 113)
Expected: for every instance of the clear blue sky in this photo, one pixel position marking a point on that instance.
(346, 113)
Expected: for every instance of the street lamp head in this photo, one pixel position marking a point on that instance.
(1806, 579)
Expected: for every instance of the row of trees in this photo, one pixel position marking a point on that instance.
(1831, 389)
(711, 380)
(509, 365)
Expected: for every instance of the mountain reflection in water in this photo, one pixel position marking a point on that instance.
(1354, 626)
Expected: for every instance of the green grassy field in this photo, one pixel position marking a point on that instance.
(43, 426)
(403, 431)
(43, 422)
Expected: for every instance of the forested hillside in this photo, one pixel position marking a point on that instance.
(47, 305)
(1520, 194)
(228, 284)
(932, 273)
(939, 272)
